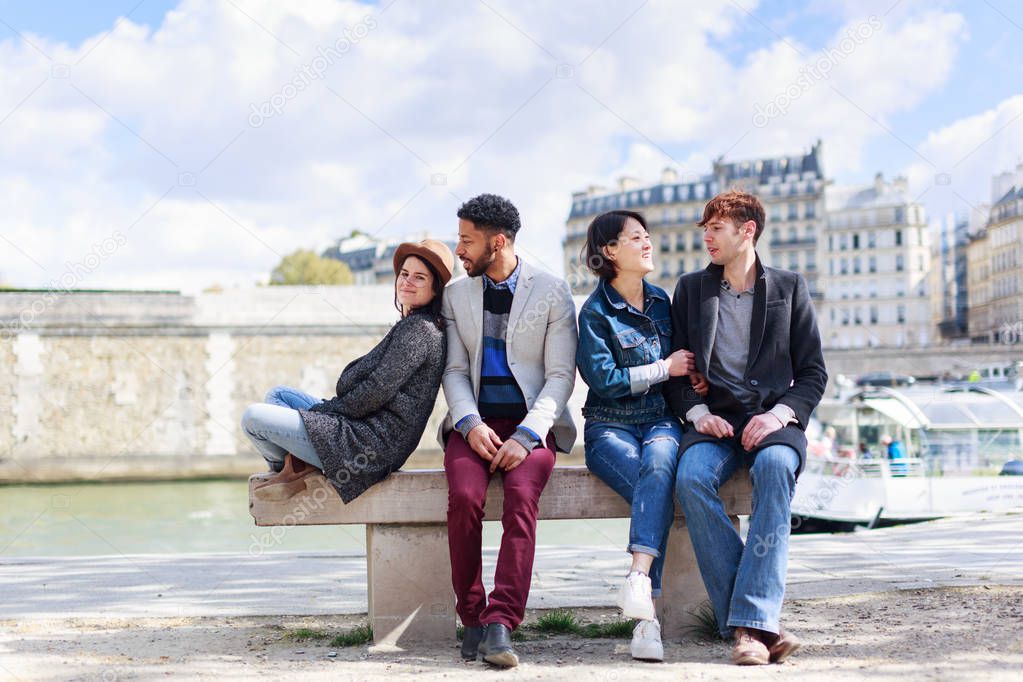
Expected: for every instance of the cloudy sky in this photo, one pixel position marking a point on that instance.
(179, 144)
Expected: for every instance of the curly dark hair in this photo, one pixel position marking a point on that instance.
(492, 213)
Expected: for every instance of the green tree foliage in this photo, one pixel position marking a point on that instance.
(306, 267)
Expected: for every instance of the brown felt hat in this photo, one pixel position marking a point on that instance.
(434, 252)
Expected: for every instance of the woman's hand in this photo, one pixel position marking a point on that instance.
(700, 384)
(680, 363)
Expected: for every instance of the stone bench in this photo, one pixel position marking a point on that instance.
(408, 568)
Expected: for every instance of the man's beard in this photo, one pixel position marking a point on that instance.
(480, 265)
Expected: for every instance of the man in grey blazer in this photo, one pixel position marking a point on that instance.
(754, 333)
(511, 332)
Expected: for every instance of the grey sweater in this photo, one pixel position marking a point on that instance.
(384, 400)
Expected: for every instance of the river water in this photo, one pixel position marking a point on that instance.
(198, 516)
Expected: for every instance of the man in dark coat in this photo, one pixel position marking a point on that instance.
(754, 334)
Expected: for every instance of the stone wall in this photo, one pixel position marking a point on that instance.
(136, 385)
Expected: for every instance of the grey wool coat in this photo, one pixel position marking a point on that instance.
(383, 402)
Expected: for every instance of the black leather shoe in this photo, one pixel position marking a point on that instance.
(471, 642)
(496, 646)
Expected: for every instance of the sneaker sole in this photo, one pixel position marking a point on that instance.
(504, 659)
(651, 658)
(751, 659)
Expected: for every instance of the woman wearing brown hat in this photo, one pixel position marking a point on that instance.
(383, 400)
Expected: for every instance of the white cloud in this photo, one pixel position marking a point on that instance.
(960, 159)
(468, 91)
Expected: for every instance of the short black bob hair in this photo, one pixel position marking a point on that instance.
(604, 231)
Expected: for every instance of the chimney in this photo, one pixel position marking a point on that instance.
(668, 176)
(900, 183)
(594, 190)
(626, 182)
(879, 183)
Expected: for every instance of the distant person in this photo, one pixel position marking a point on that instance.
(753, 331)
(630, 435)
(895, 451)
(383, 399)
(865, 451)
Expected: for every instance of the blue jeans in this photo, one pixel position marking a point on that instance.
(638, 462)
(275, 427)
(746, 584)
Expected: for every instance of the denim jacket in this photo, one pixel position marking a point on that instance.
(618, 353)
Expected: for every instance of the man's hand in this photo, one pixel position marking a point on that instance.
(758, 428)
(509, 456)
(485, 442)
(700, 384)
(713, 425)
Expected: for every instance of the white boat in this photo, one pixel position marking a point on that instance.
(955, 441)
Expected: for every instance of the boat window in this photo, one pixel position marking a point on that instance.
(946, 413)
(993, 413)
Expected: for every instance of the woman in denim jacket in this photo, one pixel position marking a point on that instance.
(631, 437)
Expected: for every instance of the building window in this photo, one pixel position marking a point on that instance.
(843, 242)
(900, 215)
(831, 243)
(793, 262)
(871, 240)
(811, 210)
(898, 237)
(793, 211)
(681, 267)
(793, 234)
(831, 266)
(844, 267)
(901, 314)
(811, 260)
(856, 265)
(873, 314)
(697, 241)
(900, 264)
(872, 264)
(680, 242)
(856, 240)
(665, 243)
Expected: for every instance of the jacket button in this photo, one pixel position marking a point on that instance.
(753, 382)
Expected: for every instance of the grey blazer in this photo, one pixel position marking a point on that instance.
(786, 364)
(541, 343)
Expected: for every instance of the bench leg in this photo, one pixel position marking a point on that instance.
(683, 592)
(409, 573)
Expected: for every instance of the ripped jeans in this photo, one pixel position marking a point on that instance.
(638, 461)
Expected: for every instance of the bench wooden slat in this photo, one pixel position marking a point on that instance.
(421, 496)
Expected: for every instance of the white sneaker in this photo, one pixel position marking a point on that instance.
(646, 641)
(635, 599)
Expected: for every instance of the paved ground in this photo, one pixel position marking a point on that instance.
(974, 550)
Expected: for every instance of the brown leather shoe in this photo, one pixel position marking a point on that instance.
(292, 469)
(288, 482)
(748, 649)
(782, 645)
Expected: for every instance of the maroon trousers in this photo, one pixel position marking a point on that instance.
(468, 475)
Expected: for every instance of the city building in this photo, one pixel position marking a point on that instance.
(878, 253)
(949, 281)
(370, 259)
(790, 187)
(995, 266)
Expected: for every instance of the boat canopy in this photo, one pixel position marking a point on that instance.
(945, 408)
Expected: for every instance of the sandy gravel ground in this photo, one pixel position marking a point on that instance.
(959, 633)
